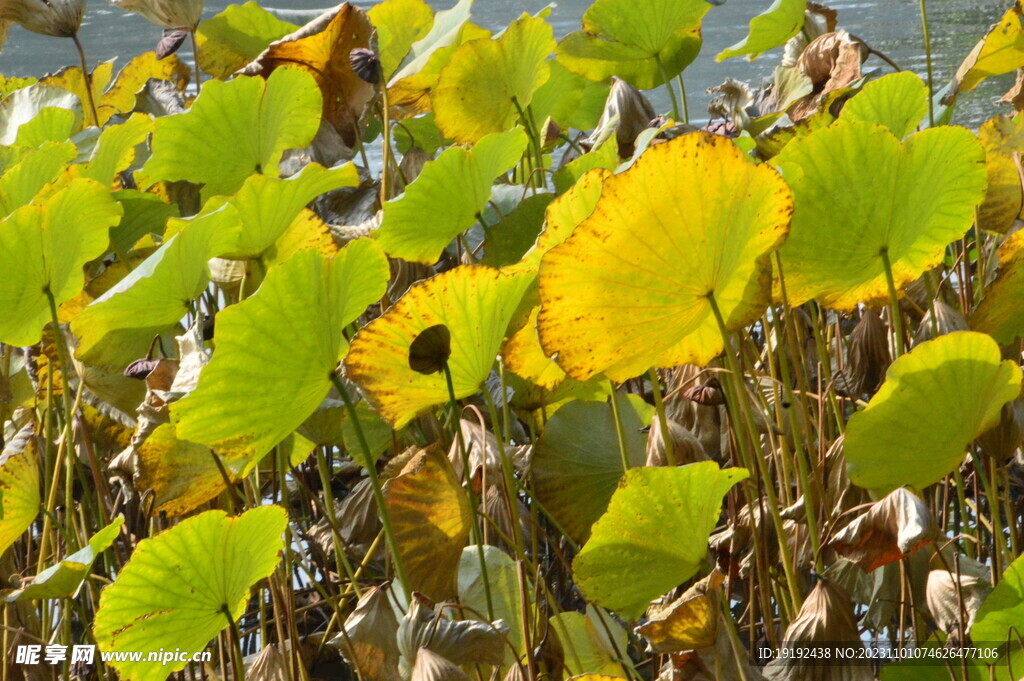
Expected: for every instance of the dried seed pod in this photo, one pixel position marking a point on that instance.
(366, 64)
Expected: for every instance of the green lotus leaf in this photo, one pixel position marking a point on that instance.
(935, 400)
(421, 222)
(1003, 140)
(25, 105)
(37, 168)
(898, 101)
(118, 327)
(376, 430)
(115, 149)
(509, 240)
(476, 303)
(236, 36)
(604, 157)
(1001, 313)
(503, 580)
(400, 24)
(1000, 51)
(204, 567)
(659, 518)
(577, 464)
(487, 81)
(918, 196)
(144, 213)
(1001, 616)
(9, 84)
(19, 485)
(267, 206)
(568, 99)
(593, 645)
(771, 28)
(42, 251)
(52, 124)
(63, 579)
(276, 351)
(691, 218)
(642, 43)
(234, 129)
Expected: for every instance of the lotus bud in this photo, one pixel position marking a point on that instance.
(430, 666)
(826, 617)
(686, 448)
(366, 64)
(868, 355)
(626, 113)
(953, 599)
(889, 530)
(947, 319)
(173, 14)
(59, 18)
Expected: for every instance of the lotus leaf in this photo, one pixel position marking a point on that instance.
(1001, 616)
(577, 463)
(898, 101)
(411, 88)
(772, 28)
(182, 475)
(37, 168)
(277, 351)
(205, 567)
(115, 149)
(592, 644)
(1003, 139)
(503, 580)
(691, 219)
(400, 24)
(42, 251)
(642, 43)
(1000, 51)
(935, 400)
(1001, 313)
(24, 105)
(19, 485)
(487, 83)
(234, 129)
(236, 36)
(659, 518)
(843, 233)
(476, 303)
(420, 223)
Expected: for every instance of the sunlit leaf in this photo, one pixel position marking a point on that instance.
(486, 82)
(1001, 313)
(205, 567)
(773, 27)
(592, 644)
(38, 167)
(1001, 615)
(1003, 140)
(688, 623)
(577, 464)
(42, 251)
(120, 97)
(570, 100)
(1000, 51)
(24, 105)
(321, 48)
(638, 42)
(898, 101)
(843, 229)
(63, 579)
(19, 485)
(503, 580)
(691, 218)
(236, 36)
(476, 303)
(659, 518)
(421, 222)
(71, 79)
(115, 149)
(234, 129)
(52, 124)
(432, 517)
(181, 475)
(276, 351)
(119, 326)
(399, 23)
(935, 400)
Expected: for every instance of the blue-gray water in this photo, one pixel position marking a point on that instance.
(890, 26)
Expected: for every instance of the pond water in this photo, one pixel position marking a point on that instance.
(889, 26)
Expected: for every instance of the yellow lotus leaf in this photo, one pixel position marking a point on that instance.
(431, 516)
(399, 23)
(693, 220)
(476, 303)
(1001, 313)
(120, 97)
(863, 197)
(1000, 51)
(71, 78)
(19, 485)
(487, 82)
(236, 36)
(688, 623)
(322, 47)
(1003, 139)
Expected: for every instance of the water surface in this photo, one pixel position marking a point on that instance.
(889, 26)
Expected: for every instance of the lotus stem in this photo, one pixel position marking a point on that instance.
(385, 121)
(342, 558)
(894, 304)
(378, 492)
(620, 431)
(928, 61)
(195, 58)
(668, 86)
(659, 406)
(87, 79)
(682, 98)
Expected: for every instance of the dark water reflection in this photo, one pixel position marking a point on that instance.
(890, 26)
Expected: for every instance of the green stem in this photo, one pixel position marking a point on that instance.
(682, 97)
(894, 304)
(928, 62)
(666, 433)
(668, 86)
(87, 79)
(195, 58)
(620, 431)
(378, 493)
(332, 520)
(236, 643)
